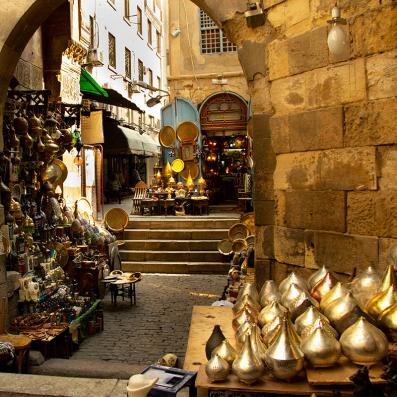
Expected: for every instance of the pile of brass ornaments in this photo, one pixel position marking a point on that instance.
(314, 320)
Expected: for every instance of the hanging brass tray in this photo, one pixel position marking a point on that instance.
(187, 131)
(177, 165)
(56, 172)
(238, 231)
(193, 168)
(167, 136)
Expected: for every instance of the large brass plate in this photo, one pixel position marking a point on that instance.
(56, 172)
(187, 131)
(116, 219)
(167, 136)
(238, 231)
(192, 167)
(177, 165)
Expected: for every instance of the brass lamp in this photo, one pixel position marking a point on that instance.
(189, 183)
(201, 182)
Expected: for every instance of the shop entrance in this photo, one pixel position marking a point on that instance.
(226, 147)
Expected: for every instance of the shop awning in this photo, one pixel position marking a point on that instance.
(121, 140)
(88, 85)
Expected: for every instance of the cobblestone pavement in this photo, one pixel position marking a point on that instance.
(158, 324)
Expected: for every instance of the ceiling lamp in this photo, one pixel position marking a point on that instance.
(337, 42)
(254, 15)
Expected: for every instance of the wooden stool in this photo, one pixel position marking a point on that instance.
(21, 344)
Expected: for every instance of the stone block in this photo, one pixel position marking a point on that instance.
(277, 59)
(371, 123)
(336, 169)
(318, 210)
(259, 90)
(264, 242)
(281, 270)
(374, 31)
(263, 268)
(384, 251)
(387, 165)
(382, 75)
(264, 156)
(264, 186)
(264, 212)
(311, 130)
(372, 213)
(328, 86)
(289, 246)
(251, 55)
(340, 252)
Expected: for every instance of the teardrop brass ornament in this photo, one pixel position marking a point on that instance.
(270, 330)
(388, 318)
(246, 366)
(381, 302)
(243, 317)
(246, 300)
(292, 278)
(317, 276)
(363, 343)
(217, 369)
(254, 313)
(248, 289)
(320, 322)
(269, 292)
(308, 318)
(242, 332)
(226, 351)
(336, 292)
(323, 286)
(258, 347)
(388, 279)
(284, 358)
(340, 307)
(366, 285)
(321, 349)
(294, 298)
(270, 312)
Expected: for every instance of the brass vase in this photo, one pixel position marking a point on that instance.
(336, 292)
(246, 300)
(308, 318)
(389, 278)
(320, 322)
(248, 289)
(217, 369)
(284, 358)
(247, 367)
(243, 317)
(270, 312)
(325, 285)
(363, 343)
(226, 351)
(381, 302)
(340, 307)
(321, 349)
(269, 292)
(317, 276)
(292, 278)
(388, 319)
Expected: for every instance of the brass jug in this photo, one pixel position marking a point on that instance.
(269, 292)
(247, 367)
(226, 351)
(340, 307)
(284, 358)
(270, 312)
(217, 369)
(336, 292)
(308, 318)
(323, 286)
(381, 302)
(292, 278)
(317, 276)
(388, 318)
(363, 343)
(321, 349)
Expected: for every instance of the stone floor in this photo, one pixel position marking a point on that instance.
(158, 324)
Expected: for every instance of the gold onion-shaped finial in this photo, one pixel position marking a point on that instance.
(317, 276)
(217, 368)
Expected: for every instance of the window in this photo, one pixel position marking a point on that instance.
(150, 72)
(158, 83)
(127, 8)
(140, 70)
(127, 62)
(149, 32)
(139, 20)
(112, 51)
(151, 121)
(212, 38)
(92, 32)
(158, 42)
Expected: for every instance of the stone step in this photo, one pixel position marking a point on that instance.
(167, 256)
(176, 267)
(180, 223)
(180, 234)
(175, 245)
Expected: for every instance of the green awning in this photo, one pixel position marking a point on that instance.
(89, 85)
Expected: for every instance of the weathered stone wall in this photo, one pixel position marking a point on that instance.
(334, 134)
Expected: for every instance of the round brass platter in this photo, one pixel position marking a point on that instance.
(177, 165)
(56, 172)
(193, 168)
(167, 136)
(187, 131)
(225, 247)
(249, 220)
(239, 245)
(238, 231)
(116, 219)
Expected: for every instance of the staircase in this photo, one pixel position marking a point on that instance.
(170, 244)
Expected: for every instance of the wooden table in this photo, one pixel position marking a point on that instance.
(204, 318)
(21, 344)
(116, 283)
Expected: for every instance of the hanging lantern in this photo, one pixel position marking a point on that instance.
(189, 183)
(201, 182)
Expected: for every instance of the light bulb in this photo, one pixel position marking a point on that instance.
(336, 40)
